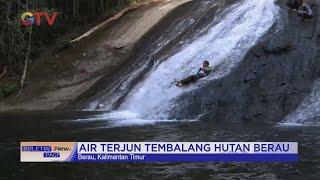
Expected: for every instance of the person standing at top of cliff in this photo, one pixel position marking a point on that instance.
(295, 5)
(305, 11)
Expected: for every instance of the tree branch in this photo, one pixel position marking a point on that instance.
(114, 18)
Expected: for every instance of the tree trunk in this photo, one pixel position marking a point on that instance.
(114, 18)
(53, 4)
(27, 59)
(75, 10)
(7, 18)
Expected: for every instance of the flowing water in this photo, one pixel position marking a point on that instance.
(308, 113)
(60, 126)
(224, 43)
(142, 116)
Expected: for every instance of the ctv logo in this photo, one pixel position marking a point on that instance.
(28, 18)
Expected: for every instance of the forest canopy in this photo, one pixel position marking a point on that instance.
(20, 45)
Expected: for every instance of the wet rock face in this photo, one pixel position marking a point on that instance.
(271, 81)
(180, 26)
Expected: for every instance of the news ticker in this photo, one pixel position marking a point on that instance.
(159, 152)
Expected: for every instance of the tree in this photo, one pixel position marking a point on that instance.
(18, 44)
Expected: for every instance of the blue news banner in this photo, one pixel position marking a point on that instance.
(159, 152)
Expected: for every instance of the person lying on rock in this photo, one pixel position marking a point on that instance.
(204, 71)
(295, 5)
(305, 11)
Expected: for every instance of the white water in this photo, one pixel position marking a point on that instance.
(308, 113)
(124, 118)
(225, 43)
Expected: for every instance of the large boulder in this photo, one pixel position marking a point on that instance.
(271, 81)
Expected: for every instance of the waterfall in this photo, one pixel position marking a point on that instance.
(308, 113)
(224, 43)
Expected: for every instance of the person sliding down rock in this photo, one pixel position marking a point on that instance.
(203, 72)
(295, 5)
(305, 11)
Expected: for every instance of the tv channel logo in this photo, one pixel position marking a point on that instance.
(32, 18)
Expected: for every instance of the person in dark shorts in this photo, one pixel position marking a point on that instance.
(204, 71)
(305, 11)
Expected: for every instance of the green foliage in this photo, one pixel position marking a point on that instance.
(8, 88)
(72, 14)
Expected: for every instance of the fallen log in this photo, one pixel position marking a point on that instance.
(114, 18)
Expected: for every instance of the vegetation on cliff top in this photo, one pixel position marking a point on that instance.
(20, 46)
